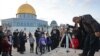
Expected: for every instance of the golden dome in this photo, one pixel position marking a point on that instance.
(26, 8)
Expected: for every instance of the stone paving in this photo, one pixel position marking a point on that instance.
(56, 52)
(62, 52)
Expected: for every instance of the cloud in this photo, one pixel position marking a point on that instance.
(72, 2)
(79, 2)
(87, 3)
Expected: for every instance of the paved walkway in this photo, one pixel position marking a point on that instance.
(62, 52)
(56, 52)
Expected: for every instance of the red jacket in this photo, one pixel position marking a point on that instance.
(5, 46)
(75, 43)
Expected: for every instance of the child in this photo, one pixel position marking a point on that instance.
(5, 46)
(31, 40)
(42, 43)
(74, 42)
(49, 41)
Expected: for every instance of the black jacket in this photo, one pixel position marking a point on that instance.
(37, 34)
(89, 25)
(1, 35)
(55, 35)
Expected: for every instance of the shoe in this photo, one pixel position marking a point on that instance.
(67, 51)
(30, 51)
(82, 55)
(36, 53)
(10, 55)
(21, 52)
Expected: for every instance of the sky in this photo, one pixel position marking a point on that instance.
(60, 10)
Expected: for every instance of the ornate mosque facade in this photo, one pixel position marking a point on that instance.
(26, 19)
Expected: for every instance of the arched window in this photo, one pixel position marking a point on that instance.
(18, 24)
(21, 23)
(31, 24)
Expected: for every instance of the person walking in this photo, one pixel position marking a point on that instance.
(92, 29)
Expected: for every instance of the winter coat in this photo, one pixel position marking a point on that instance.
(31, 40)
(48, 40)
(15, 39)
(22, 39)
(55, 35)
(5, 46)
(37, 35)
(75, 43)
(1, 36)
(89, 24)
(42, 41)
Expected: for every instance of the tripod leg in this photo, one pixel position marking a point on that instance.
(67, 43)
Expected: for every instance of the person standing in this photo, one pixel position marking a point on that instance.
(42, 43)
(31, 41)
(62, 37)
(48, 42)
(21, 42)
(25, 39)
(10, 40)
(16, 39)
(37, 37)
(55, 37)
(92, 29)
(1, 36)
(5, 46)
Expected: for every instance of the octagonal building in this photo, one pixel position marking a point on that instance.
(26, 19)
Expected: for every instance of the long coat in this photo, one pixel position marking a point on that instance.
(89, 24)
(15, 39)
(22, 40)
(55, 37)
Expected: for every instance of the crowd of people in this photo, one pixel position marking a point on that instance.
(45, 41)
(9, 40)
(84, 35)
